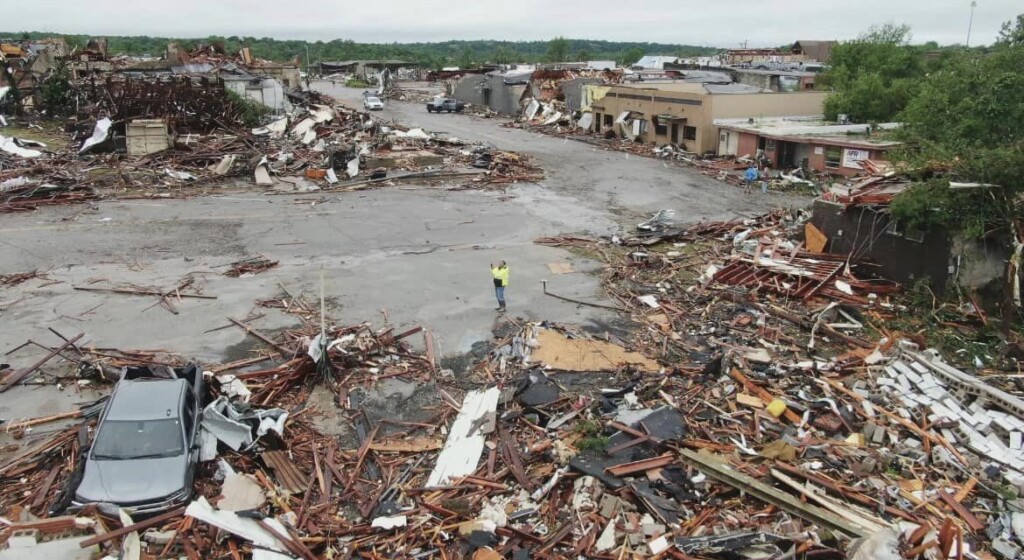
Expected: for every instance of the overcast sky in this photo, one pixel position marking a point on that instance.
(696, 22)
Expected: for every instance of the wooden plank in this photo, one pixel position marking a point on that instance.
(717, 468)
(966, 489)
(44, 490)
(415, 445)
(151, 522)
(288, 476)
(972, 522)
(641, 465)
(284, 351)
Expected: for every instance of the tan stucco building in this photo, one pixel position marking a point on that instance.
(684, 113)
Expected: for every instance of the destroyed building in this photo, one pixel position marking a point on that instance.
(788, 142)
(684, 113)
(364, 69)
(855, 220)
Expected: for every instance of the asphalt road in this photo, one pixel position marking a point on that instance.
(416, 254)
(596, 178)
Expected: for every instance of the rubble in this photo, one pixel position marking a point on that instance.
(760, 408)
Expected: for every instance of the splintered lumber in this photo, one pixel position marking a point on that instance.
(145, 524)
(719, 470)
(641, 465)
(42, 420)
(140, 292)
(284, 351)
(13, 378)
(417, 445)
(762, 394)
(973, 522)
(287, 474)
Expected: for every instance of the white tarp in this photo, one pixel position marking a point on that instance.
(14, 146)
(465, 442)
(586, 121)
(248, 529)
(99, 134)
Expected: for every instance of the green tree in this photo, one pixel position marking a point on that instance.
(582, 55)
(502, 55)
(466, 59)
(558, 50)
(56, 91)
(873, 77)
(1012, 32)
(631, 56)
(967, 120)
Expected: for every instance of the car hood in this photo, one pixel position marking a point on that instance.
(132, 480)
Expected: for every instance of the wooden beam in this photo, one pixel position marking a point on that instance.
(151, 522)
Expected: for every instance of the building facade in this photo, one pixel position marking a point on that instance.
(788, 143)
(684, 113)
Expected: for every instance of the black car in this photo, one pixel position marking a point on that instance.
(445, 104)
(146, 448)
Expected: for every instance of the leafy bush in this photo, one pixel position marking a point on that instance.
(251, 111)
(56, 92)
(357, 83)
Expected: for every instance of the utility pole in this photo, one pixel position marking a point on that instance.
(307, 64)
(970, 22)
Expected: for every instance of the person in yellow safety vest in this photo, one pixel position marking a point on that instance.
(500, 274)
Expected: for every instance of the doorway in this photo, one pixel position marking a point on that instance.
(785, 155)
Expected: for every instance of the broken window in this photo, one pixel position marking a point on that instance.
(689, 133)
(659, 128)
(833, 156)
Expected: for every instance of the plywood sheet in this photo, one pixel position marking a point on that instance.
(560, 268)
(816, 240)
(560, 352)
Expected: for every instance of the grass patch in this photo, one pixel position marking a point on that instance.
(50, 133)
(357, 83)
(597, 443)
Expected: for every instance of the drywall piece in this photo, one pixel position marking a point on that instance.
(465, 442)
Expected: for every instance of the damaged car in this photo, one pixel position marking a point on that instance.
(146, 448)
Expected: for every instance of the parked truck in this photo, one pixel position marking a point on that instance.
(445, 104)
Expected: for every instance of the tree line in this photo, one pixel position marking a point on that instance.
(431, 55)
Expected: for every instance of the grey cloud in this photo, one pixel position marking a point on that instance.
(722, 24)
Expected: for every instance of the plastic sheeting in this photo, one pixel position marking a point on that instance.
(99, 134)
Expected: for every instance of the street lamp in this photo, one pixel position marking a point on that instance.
(970, 22)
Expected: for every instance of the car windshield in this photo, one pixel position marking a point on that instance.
(372, 100)
(138, 439)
